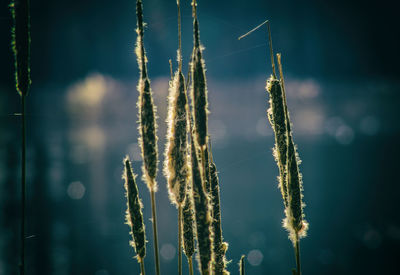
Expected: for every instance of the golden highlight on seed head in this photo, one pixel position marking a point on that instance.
(175, 164)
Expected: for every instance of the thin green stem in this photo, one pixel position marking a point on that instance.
(190, 265)
(142, 267)
(23, 185)
(180, 239)
(297, 252)
(155, 235)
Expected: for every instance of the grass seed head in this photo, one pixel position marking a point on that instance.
(199, 85)
(202, 213)
(277, 118)
(188, 238)
(21, 44)
(219, 246)
(294, 222)
(147, 110)
(134, 216)
(175, 165)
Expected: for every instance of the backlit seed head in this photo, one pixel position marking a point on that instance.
(175, 165)
(202, 213)
(199, 86)
(277, 118)
(134, 216)
(147, 111)
(219, 247)
(188, 224)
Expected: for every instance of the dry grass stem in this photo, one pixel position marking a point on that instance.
(147, 127)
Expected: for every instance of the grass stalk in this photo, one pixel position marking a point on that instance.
(23, 184)
(297, 253)
(142, 272)
(286, 156)
(21, 44)
(199, 138)
(155, 235)
(147, 127)
(190, 265)
(180, 239)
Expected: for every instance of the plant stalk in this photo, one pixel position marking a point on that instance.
(180, 239)
(142, 267)
(23, 184)
(297, 252)
(155, 235)
(190, 265)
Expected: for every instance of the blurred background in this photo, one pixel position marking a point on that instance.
(341, 65)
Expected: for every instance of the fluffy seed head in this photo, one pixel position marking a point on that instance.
(277, 118)
(294, 222)
(175, 165)
(202, 213)
(199, 85)
(219, 247)
(147, 110)
(134, 216)
(188, 238)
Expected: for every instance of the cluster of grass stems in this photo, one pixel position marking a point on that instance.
(191, 173)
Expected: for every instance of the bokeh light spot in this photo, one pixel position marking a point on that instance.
(76, 190)
(255, 257)
(168, 251)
